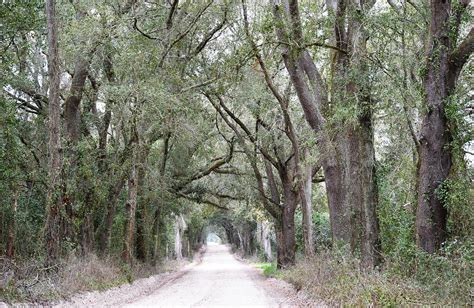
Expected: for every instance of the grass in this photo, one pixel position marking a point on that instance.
(269, 269)
(33, 283)
(337, 280)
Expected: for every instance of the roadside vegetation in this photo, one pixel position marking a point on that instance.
(32, 282)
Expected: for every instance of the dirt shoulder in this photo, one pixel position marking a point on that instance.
(283, 292)
(128, 293)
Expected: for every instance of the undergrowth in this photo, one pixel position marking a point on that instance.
(420, 280)
(32, 282)
(269, 269)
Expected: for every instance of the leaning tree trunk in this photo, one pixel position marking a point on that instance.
(53, 221)
(444, 62)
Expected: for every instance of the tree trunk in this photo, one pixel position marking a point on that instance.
(10, 251)
(141, 246)
(131, 206)
(180, 226)
(280, 244)
(352, 221)
(142, 253)
(74, 182)
(113, 195)
(307, 210)
(264, 239)
(86, 230)
(361, 194)
(444, 63)
(288, 223)
(267, 242)
(156, 236)
(53, 221)
(87, 234)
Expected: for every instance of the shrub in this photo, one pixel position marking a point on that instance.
(336, 279)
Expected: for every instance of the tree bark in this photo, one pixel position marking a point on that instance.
(348, 154)
(307, 211)
(288, 235)
(180, 226)
(53, 220)
(443, 65)
(72, 119)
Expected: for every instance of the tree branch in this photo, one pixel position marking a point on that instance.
(135, 26)
(204, 171)
(210, 34)
(169, 20)
(460, 56)
(200, 200)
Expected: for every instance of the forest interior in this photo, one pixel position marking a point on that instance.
(328, 143)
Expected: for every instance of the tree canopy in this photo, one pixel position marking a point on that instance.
(287, 128)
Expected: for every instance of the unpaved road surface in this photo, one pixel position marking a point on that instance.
(219, 281)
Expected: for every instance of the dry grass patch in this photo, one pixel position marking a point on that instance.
(34, 283)
(338, 280)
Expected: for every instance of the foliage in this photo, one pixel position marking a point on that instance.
(336, 279)
(144, 105)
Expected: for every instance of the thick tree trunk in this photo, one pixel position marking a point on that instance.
(288, 236)
(280, 244)
(361, 194)
(131, 206)
(72, 111)
(53, 221)
(74, 182)
(434, 152)
(352, 220)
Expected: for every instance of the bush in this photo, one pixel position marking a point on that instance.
(336, 279)
(32, 282)
(269, 269)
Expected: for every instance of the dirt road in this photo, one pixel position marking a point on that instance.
(220, 280)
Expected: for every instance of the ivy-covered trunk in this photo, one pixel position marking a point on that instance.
(54, 212)
(444, 62)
